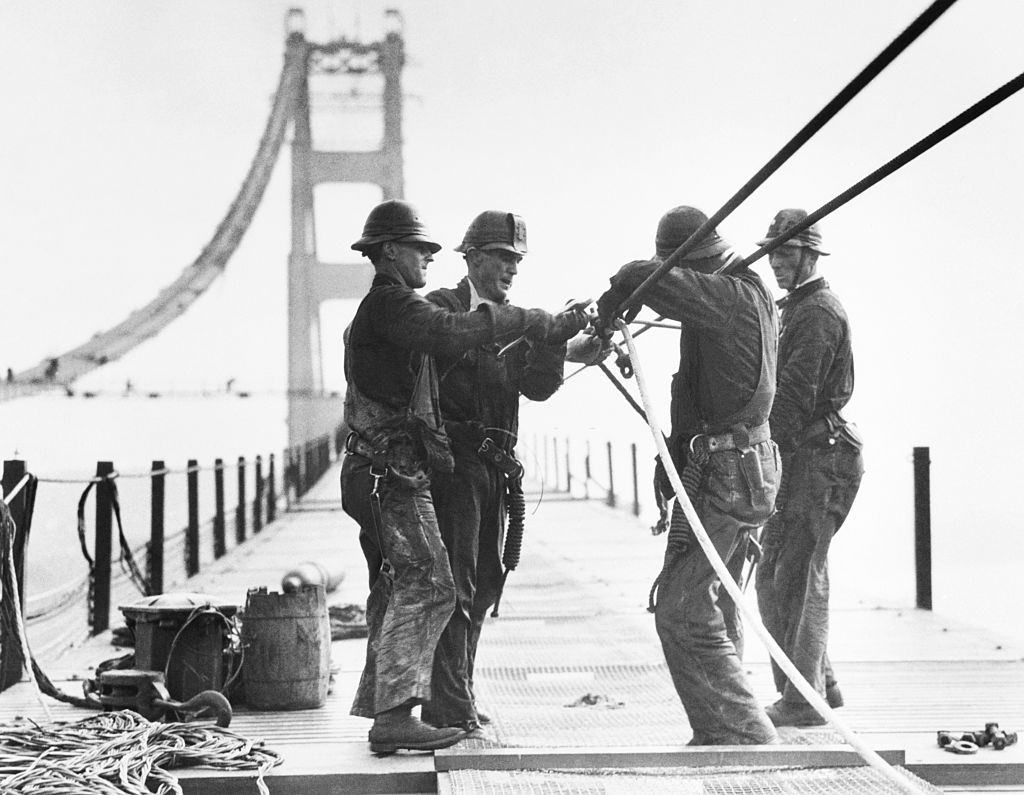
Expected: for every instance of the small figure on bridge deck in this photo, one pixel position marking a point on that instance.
(821, 467)
(397, 443)
(721, 397)
(480, 401)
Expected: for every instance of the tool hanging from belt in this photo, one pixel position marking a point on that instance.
(680, 534)
(379, 471)
(515, 503)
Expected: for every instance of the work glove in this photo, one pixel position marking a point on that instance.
(542, 326)
(623, 283)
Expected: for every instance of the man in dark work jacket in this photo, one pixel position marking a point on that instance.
(396, 444)
(822, 468)
(721, 399)
(480, 400)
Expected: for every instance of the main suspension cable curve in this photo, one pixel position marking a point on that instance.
(177, 297)
(806, 690)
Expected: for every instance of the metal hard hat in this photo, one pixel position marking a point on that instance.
(394, 220)
(495, 229)
(785, 220)
(677, 225)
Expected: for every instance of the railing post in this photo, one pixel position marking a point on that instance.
(610, 499)
(546, 472)
(257, 498)
(101, 550)
(554, 460)
(12, 661)
(636, 488)
(271, 491)
(240, 508)
(289, 477)
(192, 530)
(155, 558)
(923, 527)
(219, 540)
(586, 473)
(568, 467)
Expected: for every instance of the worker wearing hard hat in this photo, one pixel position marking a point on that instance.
(821, 462)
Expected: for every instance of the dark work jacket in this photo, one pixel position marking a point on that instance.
(478, 387)
(384, 345)
(727, 346)
(815, 362)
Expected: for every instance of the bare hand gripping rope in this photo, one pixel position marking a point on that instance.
(751, 615)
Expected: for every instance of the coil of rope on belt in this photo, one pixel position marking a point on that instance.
(750, 614)
(680, 534)
(516, 504)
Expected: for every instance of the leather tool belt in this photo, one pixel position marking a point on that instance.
(357, 445)
(832, 427)
(354, 443)
(733, 440)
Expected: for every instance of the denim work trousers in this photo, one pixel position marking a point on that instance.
(407, 610)
(697, 623)
(469, 505)
(792, 578)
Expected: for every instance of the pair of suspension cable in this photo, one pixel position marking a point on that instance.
(955, 124)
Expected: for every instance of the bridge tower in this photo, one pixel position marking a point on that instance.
(311, 411)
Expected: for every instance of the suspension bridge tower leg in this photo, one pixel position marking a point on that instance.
(311, 411)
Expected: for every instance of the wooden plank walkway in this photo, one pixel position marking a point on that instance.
(574, 623)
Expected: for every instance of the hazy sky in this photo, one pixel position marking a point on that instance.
(129, 126)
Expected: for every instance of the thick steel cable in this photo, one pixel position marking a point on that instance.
(806, 690)
(958, 122)
(854, 87)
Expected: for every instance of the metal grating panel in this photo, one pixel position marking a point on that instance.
(675, 781)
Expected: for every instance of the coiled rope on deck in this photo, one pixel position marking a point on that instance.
(751, 615)
(121, 752)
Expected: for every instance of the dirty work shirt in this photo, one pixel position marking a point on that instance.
(822, 474)
(479, 398)
(408, 608)
(726, 375)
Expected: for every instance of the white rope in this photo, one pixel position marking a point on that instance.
(9, 498)
(752, 616)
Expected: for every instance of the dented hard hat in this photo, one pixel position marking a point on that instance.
(495, 229)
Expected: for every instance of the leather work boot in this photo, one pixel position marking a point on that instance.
(834, 696)
(392, 731)
(783, 713)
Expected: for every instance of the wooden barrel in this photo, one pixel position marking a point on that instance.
(286, 638)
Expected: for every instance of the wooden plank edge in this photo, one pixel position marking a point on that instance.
(976, 774)
(455, 758)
